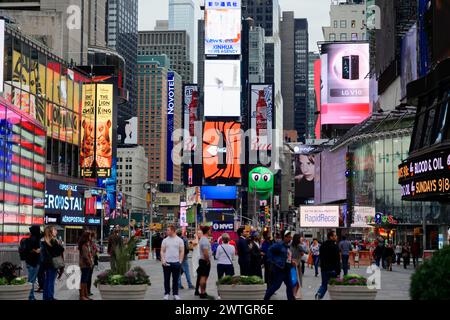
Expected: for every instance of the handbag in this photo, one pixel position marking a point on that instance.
(294, 278)
(58, 262)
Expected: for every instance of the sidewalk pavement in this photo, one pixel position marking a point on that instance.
(394, 285)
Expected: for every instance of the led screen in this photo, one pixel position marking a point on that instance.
(218, 193)
(222, 28)
(262, 116)
(345, 83)
(222, 88)
(222, 150)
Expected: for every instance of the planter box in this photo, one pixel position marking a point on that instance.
(20, 292)
(121, 292)
(351, 293)
(242, 292)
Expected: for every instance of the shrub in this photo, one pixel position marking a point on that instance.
(431, 281)
(8, 275)
(134, 276)
(349, 280)
(240, 280)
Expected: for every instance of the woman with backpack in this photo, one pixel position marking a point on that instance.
(52, 261)
(225, 255)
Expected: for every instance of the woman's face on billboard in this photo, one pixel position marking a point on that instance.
(306, 166)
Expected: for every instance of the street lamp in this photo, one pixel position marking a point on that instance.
(151, 195)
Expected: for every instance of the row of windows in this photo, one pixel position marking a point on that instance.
(344, 37)
(343, 23)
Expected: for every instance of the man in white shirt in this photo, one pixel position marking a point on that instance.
(172, 254)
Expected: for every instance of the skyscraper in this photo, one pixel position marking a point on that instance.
(63, 31)
(152, 76)
(266, 14)
(122, 30)
(294, 83)
(182, 17)
(174, 44)
(256, 55)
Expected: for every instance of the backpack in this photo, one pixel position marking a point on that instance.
(23, 249)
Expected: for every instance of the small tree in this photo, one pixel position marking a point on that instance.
(431, 281)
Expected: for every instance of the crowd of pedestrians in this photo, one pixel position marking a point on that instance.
(277, 260)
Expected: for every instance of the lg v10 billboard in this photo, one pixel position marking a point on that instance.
(345, 83)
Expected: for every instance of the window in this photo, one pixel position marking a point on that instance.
(354, 36)
(353, 24)
(332, 37)
(343, 37)
(335, 24)
(343, 23)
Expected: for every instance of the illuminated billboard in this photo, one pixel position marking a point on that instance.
(96, 131)
(319, 216)
(127, 131)
(2, 51)
(223, 27)
(190, 110)
(304, 165)
(345, 83)
(222, 88)
(222, 150)
(104, 130)
(87, 131)
(261, 116)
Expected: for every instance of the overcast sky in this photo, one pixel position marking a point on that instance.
(316, 11)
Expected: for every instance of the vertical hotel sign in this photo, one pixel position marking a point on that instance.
(170, 122)
(2, 51)
(87, 149)
(104, 130)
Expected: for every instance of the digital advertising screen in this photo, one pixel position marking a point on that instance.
(127, 131)
(190, 110)
(104, 146)
(223, 27)
(345, 83)
(222, 150)
(87, 131)
(319, 216)
(219, 193)
(261, 116)
(222, 90)
(170, 122)
(409, 67)
(426, 177)
(304, 165)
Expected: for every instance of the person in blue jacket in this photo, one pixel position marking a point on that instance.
(280, 257)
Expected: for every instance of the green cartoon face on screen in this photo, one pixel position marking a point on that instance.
(260, 180)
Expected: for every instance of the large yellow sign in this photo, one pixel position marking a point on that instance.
(104, 144)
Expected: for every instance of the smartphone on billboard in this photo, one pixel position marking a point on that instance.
(350, 67)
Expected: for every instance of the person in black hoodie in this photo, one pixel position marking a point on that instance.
(330, 265)
(243, 248)
(33, 249)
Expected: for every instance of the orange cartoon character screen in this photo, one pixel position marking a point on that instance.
(222, 150)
